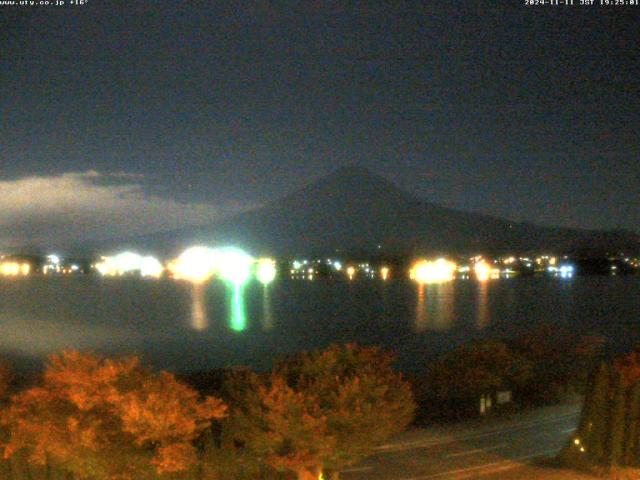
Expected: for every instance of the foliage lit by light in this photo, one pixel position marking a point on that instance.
(88, 410)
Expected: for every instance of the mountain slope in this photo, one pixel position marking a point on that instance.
(354, 210)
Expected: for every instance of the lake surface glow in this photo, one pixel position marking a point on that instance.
(182, 327)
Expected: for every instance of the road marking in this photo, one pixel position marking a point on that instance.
(477, 450)
(501, 465)
(466, 452)
(503, 468)
(397, 447)
(508, 465)
(568, 430)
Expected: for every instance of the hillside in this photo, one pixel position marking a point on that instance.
(354, 210)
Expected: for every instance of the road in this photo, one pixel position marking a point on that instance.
(488, 449)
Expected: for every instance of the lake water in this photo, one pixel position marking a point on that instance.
(176, 326)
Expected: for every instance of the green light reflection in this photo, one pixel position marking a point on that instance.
(238, 319)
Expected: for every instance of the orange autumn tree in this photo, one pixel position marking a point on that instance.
(324, 410)
(285, 428)
(103, 418)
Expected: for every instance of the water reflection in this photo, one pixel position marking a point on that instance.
(267, 312)
(127, 315)
(238, 318)
(235, 300)
(482, 305)
(199, 318)
(443, 296)
(421, 310)
(434, 307)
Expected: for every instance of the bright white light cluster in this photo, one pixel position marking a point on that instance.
(266, 270)
(484, 271)
(196, 264)
(234, 265)
(14, 268)
(52, 265)
(564, 271)
(129, 262)
(199, 264)
(427, 271)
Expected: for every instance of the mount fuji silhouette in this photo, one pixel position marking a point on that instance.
(354, 210)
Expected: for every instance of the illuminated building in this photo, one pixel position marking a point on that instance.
(305, 271)
(52, 265)
(128, 263)
(266, 270)
(14, 268)
(485, 271)
(566, 271)
(149, 267)
(384, 273)
(482, 270)
(195, 264)
(351, 272)
(426, 271)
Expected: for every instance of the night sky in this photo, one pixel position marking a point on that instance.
(127, 117)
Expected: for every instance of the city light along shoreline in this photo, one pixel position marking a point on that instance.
(200, 264)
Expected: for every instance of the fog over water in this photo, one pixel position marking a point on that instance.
(177, 326)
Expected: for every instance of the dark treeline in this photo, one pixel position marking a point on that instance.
(536, 368)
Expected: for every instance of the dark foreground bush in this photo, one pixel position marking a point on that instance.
(538, 368)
